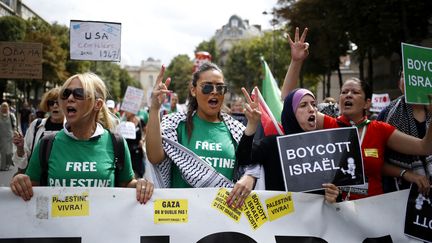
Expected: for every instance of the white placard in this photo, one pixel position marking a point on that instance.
(93, 40)
(379, 102)
(127, 129)
(132, 100)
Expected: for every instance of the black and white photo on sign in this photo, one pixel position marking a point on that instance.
(327, 156)
(418, 219)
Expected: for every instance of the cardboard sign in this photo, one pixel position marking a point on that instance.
(94, 40)
(327, 156)
(417, 66)
(20, 60)
(379, 102)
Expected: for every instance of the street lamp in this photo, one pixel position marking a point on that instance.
(273, 23)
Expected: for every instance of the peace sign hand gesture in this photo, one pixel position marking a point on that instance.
(160, 90)
(252, 111)
(299, 48)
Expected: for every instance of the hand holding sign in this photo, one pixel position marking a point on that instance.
(160, 89)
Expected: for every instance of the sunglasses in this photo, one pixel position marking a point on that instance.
(208, 88)
(77, 93)
(52, 102)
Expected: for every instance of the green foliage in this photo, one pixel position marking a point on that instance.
(12, 28)
(243, 67)
(210, 47)
(180, 70)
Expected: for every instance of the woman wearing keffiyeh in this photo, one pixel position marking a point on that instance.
(411, 119)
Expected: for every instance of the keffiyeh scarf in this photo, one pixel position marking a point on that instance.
(195, 171)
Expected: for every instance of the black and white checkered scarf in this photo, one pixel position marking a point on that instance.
(400, 113)
(195, 171)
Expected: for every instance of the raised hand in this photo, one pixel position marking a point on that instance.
(160, 89)
(252, 111)
(299, 48)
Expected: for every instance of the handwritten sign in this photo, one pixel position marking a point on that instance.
(127, 129)
(93, 40)
(20, 60)
(132, 100)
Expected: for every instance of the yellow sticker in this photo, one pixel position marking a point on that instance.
(70, 205)
(254, 211)
(168, 211)
(279, 206)
(220, 204)
(371, 152)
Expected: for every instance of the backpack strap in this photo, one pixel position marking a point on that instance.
(119, 153)
(45, 147)
(12, 121)
(36, 128)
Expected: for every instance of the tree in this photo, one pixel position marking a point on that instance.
(54, 56)
(243, 67)
(210, 47)
(12, 29)
(180, 70)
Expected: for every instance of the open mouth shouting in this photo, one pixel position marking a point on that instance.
(312, 120)
(348, 104)
(213, 103)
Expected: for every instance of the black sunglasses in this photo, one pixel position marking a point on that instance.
(52, 102)
(77, 93)
(208, 88)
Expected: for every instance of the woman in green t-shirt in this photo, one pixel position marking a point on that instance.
(82, 154)
(197, 148)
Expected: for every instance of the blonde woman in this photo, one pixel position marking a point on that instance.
(82, 154)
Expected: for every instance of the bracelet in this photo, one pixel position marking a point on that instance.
(402, 173)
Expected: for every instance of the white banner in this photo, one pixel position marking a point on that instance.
(92, 40)
(91, 215)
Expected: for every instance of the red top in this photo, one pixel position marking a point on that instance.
(373, 147)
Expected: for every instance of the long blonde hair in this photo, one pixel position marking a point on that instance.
(94, 88)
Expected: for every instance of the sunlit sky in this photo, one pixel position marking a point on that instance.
(160, 29)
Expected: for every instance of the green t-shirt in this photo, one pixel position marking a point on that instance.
(81, 163)
(212, 142)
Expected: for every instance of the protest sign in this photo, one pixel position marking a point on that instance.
(417, 66)
(379, 102)
(94, 40)
(20, 60)
(132, 100)
(327, 156)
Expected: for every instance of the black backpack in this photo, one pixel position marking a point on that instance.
(45, 147)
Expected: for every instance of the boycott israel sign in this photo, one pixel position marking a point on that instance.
(93, 40)
(327, 156)
(418, 219)
(417, 66)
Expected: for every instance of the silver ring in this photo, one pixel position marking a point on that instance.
(143, 188)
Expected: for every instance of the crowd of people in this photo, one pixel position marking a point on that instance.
(203, 145)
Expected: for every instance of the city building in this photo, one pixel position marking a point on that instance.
(16, 8)
(231, 33)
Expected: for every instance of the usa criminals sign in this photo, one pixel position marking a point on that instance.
(328, 156)
(93, 40)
